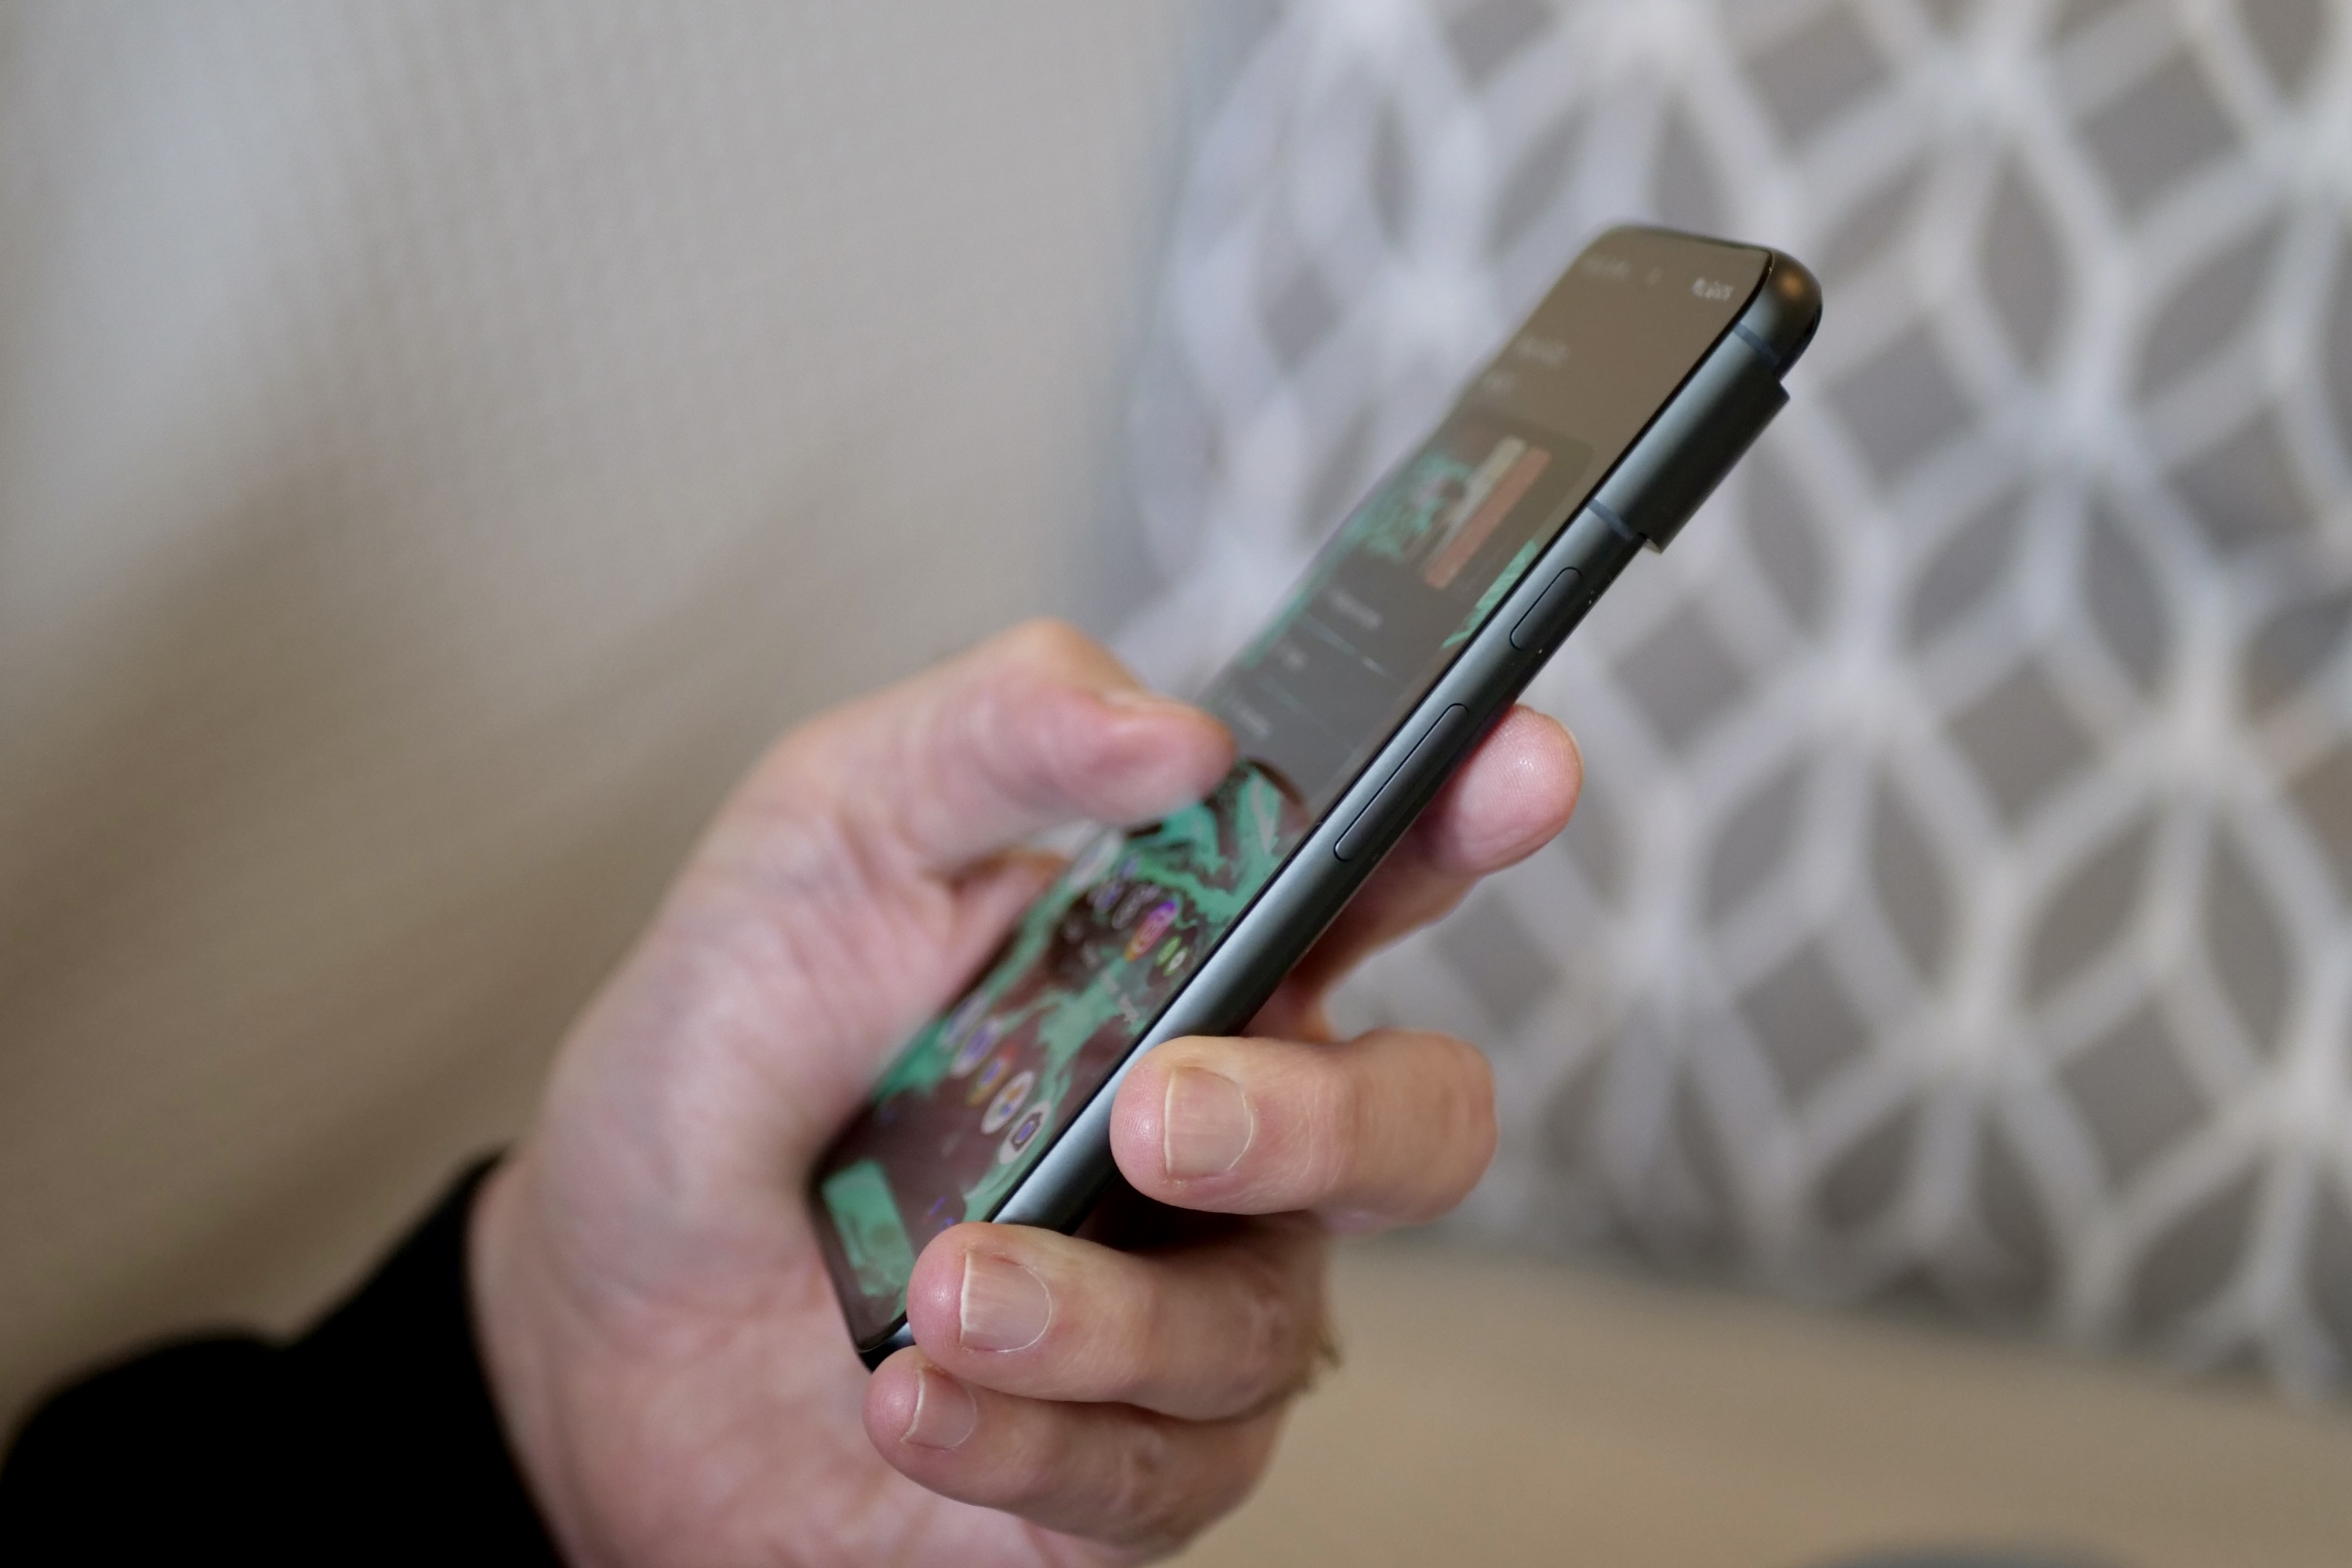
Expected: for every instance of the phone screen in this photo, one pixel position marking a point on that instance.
(977, 1096)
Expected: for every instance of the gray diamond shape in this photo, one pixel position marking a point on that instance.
(1902, 404)
(1754, 841)
(2127, 608)
(2327, 1269)
(2079, 15)
(1810, 76)
(1569, 1112)
(2012, 1210)
(1536, 183)
(1701, 1209)
(1871, 226)
(1909, 882)
(1592, 843)
(2021, 740)
(1688, 194)
(1868, 1175)
(2293, 647)
(2197, 1256)
(1780, 537)
(2252, 959)
(1486, 944)
(2025, 268)
(2156, 133)
(1950, 15)
(1486, 36)
(2209, 308)
(2089, 910)
(2322, 793)
(1300, 316)
(2242, 493)
(1803, 1020)
(1681, 677)
(2337, 341)
(1967, 567)
(2287, 35)
(2133, 1094)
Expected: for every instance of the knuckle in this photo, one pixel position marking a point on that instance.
(1344, 1125)
(1138, 1351)
(1145, 1489)
(1046, 643)
(1270, 1334)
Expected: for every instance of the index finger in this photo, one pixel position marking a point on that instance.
(1035, 727)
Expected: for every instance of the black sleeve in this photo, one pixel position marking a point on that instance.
(371, 1438)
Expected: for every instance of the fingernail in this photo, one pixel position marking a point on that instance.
(944, 1414)
(1136, 698)
(1206, 1123)
(1005, 1307)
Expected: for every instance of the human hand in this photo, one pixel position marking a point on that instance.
(658, 1326)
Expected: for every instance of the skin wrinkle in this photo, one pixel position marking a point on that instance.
(1151, 1329)
(1261, 1365)
(1333, 1132)
(1143, 1491)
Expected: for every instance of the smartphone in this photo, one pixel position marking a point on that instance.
(1597, 430)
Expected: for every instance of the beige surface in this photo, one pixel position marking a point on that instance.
(439, 444)
(1496, 1412)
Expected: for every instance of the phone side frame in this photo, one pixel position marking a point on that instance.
(1695, 439)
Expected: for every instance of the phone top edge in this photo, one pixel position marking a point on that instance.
(1782, 312)
(1785, 312)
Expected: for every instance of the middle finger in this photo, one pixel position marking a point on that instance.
(1511, 798)
(1204, 1332)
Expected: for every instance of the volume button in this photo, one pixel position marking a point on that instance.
(1548, 617)
(1428, 755)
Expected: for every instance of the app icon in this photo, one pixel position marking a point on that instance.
(1008, 1100)
(990, 1077)
(1132, 905)
(956, 1031)
(976, 1045)
(1155, 925)
(1024, 1133)
(1095, 858)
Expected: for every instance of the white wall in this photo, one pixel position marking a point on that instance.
(439, 444)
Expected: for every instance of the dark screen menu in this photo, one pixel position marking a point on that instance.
(978, 1096)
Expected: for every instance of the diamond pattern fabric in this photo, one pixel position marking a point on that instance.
(1959, 898)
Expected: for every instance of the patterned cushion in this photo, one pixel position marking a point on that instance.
(1957, 907)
